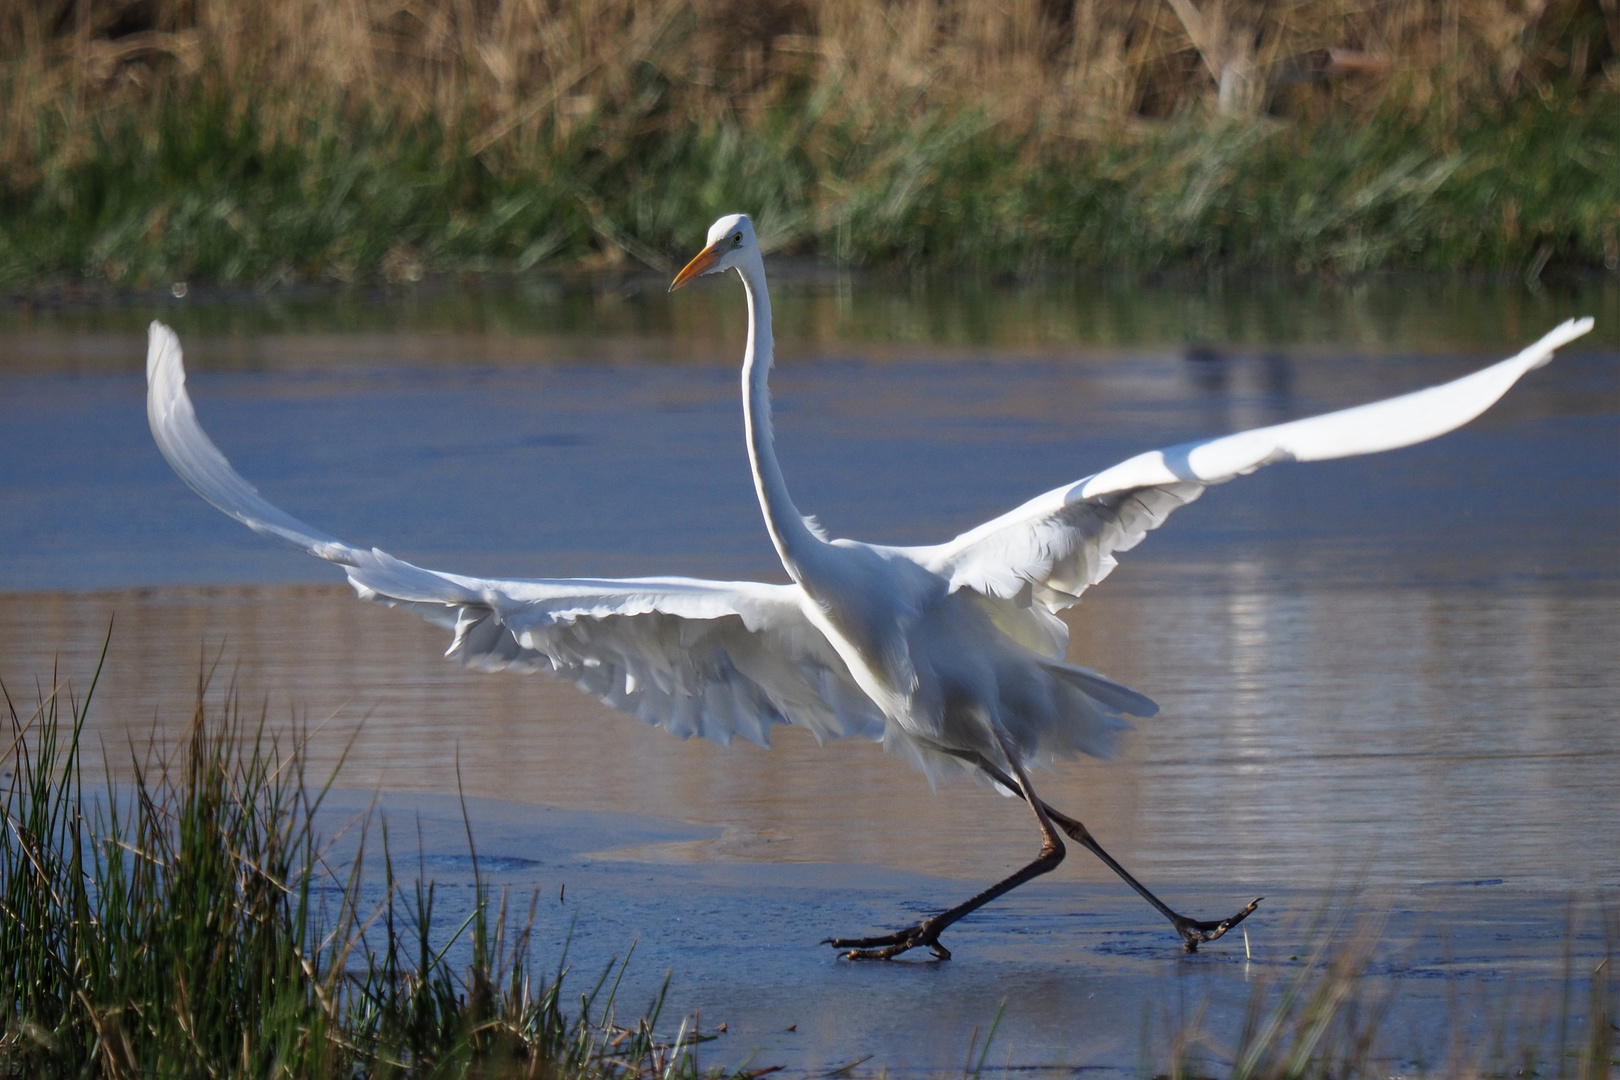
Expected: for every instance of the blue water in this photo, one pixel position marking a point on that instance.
(558, 467)
(1397, 671)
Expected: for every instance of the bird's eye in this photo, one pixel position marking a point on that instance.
(736, 241)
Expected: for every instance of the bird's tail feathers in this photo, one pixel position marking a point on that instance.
(1088, 716)
(1115, 696)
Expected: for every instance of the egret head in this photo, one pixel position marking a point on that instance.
(731, 240)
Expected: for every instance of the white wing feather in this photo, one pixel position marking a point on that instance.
(1058, 544)
(724, 658)
(708, 658)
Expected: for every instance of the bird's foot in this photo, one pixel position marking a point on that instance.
(1194, 932)
(888, 946)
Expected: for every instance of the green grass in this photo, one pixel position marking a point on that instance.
(195, 187)
(188, 925)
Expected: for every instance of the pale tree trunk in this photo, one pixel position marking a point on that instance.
(1228, 53)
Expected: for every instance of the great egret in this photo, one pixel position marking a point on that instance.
(951, 655)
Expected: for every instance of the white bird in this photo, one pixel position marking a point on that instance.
(952, 655)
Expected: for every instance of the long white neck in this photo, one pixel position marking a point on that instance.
(794, 541)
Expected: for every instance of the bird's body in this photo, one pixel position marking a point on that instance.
(952, 655)
(948, 684)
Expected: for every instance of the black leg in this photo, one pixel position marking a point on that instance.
(1194, 932)
(888, 946)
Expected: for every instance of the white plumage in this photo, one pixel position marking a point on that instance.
(952, 654)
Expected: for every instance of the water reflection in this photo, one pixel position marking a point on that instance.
(817, 312)
(1405, 734)
(1402, 660)
(591, 469)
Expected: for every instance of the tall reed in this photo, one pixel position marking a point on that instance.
(189, 925)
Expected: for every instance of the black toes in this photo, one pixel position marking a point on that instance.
(1194, 932)
(890, 945)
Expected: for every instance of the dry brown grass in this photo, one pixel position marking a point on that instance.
(524, 72)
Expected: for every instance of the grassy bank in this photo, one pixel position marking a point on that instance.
(169, 140)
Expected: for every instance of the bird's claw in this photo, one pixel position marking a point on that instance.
(1194, 932)
(888, 946)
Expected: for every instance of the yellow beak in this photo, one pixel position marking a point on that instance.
(699, 265)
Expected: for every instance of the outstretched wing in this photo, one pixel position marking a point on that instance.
(708, 658)
(1055, 546)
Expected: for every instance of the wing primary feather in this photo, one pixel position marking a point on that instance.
(1065, 540)
(200, 464)
(679, 652)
